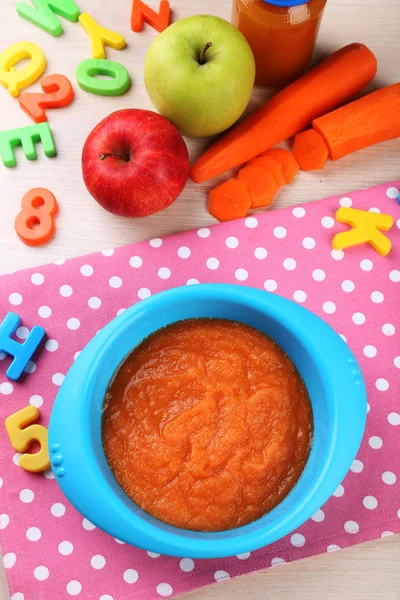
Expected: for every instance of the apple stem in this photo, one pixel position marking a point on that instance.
(104, 156)
(202, 57)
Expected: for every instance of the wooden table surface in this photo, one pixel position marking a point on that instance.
(370, 571)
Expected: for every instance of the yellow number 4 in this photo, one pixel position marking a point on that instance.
(21, 437)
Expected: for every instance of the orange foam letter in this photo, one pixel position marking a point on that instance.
(58, 92)
(142, 12)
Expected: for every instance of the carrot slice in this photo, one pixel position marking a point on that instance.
(310, 150)
(319, 91)
(270, 164)
(261, 185)
(289, 163)
(230, 200)
(370, 120)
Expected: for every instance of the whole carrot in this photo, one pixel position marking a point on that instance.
(328, 85)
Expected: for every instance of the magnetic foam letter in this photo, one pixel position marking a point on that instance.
(366, 229)
(21, 437)
(22, 353)
(42, 14)
(26, 137)
(14, 80)
(100, 36)
(35, 223)
(87, 80)
(58, 93)
(142, 12)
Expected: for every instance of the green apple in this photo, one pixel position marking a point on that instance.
(199, 73)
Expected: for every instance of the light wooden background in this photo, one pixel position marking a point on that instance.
(368, 572)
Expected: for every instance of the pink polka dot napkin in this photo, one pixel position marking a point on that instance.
(50, 551)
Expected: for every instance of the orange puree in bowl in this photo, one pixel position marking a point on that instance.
(207, 425)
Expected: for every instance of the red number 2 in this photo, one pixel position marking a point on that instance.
(58, 92)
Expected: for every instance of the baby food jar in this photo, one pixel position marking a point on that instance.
(282, 35)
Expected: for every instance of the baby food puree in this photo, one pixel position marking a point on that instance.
(207, 425)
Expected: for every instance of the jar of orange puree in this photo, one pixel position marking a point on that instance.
(282, 35)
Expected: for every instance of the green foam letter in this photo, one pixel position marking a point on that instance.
(87, 80)
(42, 13)
(26, 137)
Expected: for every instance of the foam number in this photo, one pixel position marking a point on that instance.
(118, 83)
(21, 437)
(142, 12)
(43, 13)
(22, 353)
(366, 229)
(35, 223)
(100, 36)
(27, 138)
(15, 80)
(58, 93)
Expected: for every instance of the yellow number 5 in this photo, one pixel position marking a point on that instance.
(21, 437)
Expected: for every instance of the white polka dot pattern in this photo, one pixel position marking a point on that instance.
(131, 576)
(339, 492)
(37, 278)
(9, 560)
(280, 232)
(66, 291)
(65, 548)
(298, 540)
(327, 222)
(319, 275)
(260, 253)
(98, 562)
(370, 502)
(299, 212)
(186, 565)
(389, 478)
(275, 562)
(337, 254)
(22, 333)
(58, 509)
(6, 388)
(329, 307)
(74, 588)
(348, 286)
(287, 253)
(221, 576)
(41, 573)
(357, 466)
(318, 516)
(351, 527)
(136, 262)
(33, 534)
(270, 285)
(232, 242)
(308, 243)
(164, 589)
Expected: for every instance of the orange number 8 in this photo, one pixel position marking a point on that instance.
(21, 438)
(35, 223)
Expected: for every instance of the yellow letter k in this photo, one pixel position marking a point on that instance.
(366, 229)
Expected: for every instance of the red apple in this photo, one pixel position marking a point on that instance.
(135, 163)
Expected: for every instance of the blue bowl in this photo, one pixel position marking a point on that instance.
(326, 364)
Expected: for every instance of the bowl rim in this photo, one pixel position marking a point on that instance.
(128, 523)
